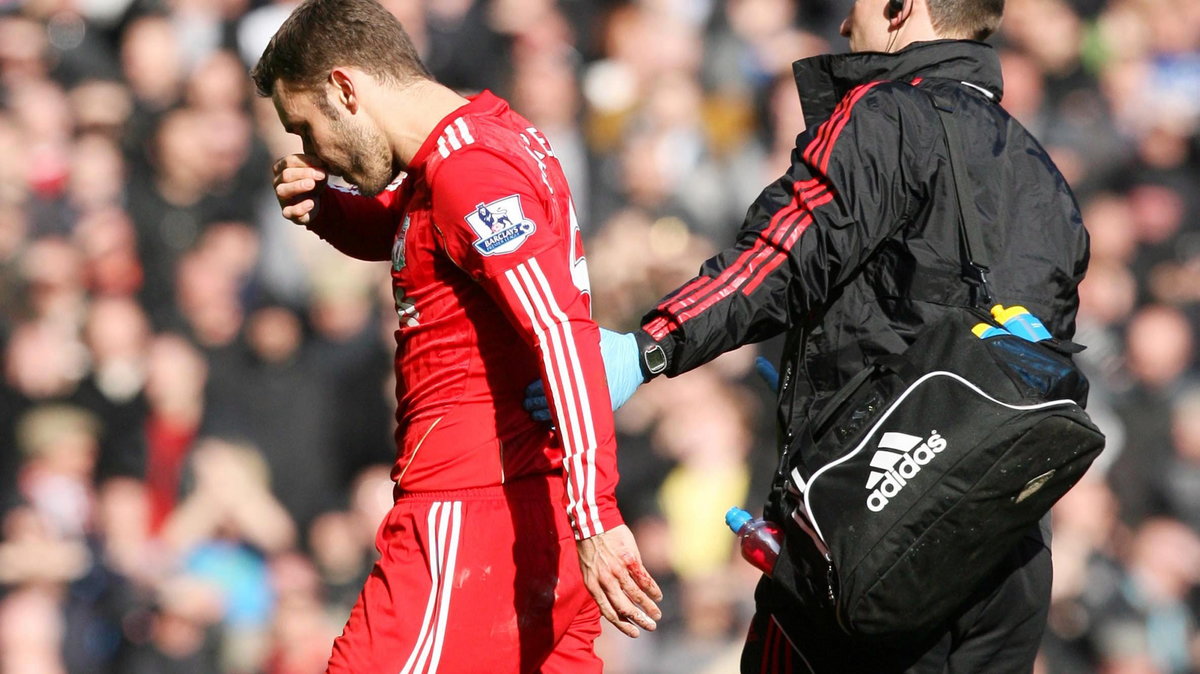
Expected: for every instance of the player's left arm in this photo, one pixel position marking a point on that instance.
(497, 227)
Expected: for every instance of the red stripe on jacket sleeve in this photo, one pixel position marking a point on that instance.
(748, 271)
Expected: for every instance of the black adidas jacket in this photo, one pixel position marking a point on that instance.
(857, 247)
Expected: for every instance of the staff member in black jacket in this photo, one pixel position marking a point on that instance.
(852, 252)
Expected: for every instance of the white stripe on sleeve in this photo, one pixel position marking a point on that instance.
(576, 370)
(464, 131)
(552, 360)
(453, 138)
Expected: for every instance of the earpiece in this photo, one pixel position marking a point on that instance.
(894, 8)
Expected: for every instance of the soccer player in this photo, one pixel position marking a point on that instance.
(501, 527)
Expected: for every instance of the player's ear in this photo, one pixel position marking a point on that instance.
(345, 88)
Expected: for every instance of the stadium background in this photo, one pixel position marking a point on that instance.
(195, 404)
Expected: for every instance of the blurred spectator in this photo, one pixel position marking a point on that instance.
(1147, 617)
(178, 633)
(208, 304)
(229, 498)
(107, 241)
(175, 380)
(355, 365)
(101, 106)
(53, 282)
(31, 632)
(223, 533)
(302, 630)
(1179, 480)
(1087, 536)
(117, 335)
(60, 445)
(275, 395)
(96, 178)
(546, 90)
(121, 569)
(152, 63)
(33, 554)
(343, 558)
(1160, 351)
(706, 433)
(167, 204)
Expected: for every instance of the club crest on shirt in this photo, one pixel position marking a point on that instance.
(398, 261)
(501, 226)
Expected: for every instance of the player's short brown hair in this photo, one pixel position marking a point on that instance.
(323, 34)
(975, 19)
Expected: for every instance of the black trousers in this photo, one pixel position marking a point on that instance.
(998, 633)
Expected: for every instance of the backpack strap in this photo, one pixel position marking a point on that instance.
(976, 260)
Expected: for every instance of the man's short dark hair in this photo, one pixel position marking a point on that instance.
(975, 19)
(323, 34)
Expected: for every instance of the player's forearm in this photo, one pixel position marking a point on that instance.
(552, 316)
(591, 508)
(579, 400)
(361, 227)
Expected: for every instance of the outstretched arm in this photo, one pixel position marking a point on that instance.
(851, 185)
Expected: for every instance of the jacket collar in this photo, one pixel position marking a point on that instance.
(823, 80)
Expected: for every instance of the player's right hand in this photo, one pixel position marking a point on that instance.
(299, 180)
(616, 578)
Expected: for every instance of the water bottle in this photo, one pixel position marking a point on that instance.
(985, 331)
(1020, 322)
(758, 539)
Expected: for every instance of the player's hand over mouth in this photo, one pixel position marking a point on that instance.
(299, 180)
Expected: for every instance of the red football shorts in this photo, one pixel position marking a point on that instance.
(473, 580)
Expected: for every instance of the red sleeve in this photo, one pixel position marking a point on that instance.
(361, 227)
(495, 223)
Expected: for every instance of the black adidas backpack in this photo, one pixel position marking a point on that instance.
(927, 468)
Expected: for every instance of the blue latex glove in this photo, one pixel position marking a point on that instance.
(620, 353)
(535, 402)
(768, 373)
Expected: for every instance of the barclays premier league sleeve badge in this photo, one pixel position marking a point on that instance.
(501, 226)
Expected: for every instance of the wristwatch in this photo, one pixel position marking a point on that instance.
(651, 356)
(654, 360)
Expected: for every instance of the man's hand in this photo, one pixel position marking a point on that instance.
(621, 368)
(620, 353)
(299, 179)
(613, 573)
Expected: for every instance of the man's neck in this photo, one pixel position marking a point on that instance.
(411, 113)
(917, 27)
(916, 32)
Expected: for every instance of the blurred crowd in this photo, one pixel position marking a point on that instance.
(196, 397)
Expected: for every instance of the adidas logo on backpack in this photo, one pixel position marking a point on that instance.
(899, 458)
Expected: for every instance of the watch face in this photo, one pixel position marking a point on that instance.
(656, 360)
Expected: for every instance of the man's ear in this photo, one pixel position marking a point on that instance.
(898, 11)
(344, 82)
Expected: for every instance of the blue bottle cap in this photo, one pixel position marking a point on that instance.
(736, 518)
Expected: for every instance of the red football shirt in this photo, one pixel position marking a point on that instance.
(491, 290)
